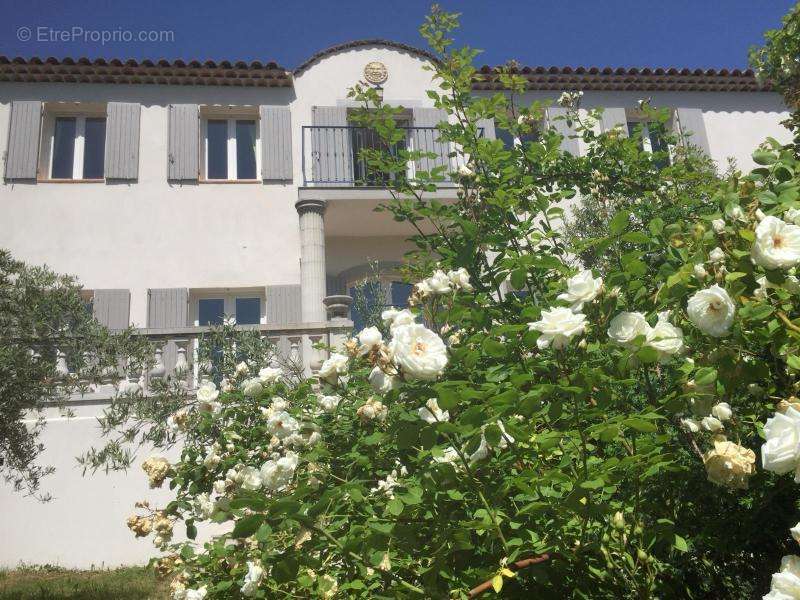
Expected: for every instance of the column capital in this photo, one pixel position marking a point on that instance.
(308, 205)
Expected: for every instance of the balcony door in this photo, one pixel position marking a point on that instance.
(364, 138)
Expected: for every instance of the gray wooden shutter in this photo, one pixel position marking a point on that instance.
(184, 142)
(122, 140)
(425, 140)
(693, 128)
(276, 142)
(22, 151)
(283, 304)
(614, 117)
(331, 145)
(568, 144)
(488, 128)
(166, 308)
(112, 308)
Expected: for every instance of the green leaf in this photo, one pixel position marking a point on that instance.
(497, 583)
(680, 544)
(640, 425)
(762, 157)
(619, 223)
(592, 484)
(395, 507)
(793, 361)
(247, 526)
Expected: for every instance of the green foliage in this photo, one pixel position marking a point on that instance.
(41, 314)
(579, 417)
(777, 62)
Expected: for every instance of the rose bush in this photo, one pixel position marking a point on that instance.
(550, 429)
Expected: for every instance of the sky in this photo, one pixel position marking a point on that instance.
(616, 33)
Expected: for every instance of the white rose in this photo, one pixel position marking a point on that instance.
(781, 452)
(795, 531)
(760, 215)
(711, 424)
(711, 310)
(277, 474)
(718, 225)
(372, 409)
(382, 382)
(397, 318)
(205, 506)
(282, 425)
(423, 288)
(792, 215)
(242, 368)
(439, 283)
(198, 594)
(722, 411)
(460, 279)
(211, 460)
(690, 425)
(225, 385)
(627, 326)
(333, 367)
(735, 212)
(269, 375)
(465, 171)
(785, 584)
(207, 394)
(777, 244)
(717, 255)
(665, 337)
(558, 326)
(481, 452)
(249, 478)
(328, 403)
(219, 486)
(252, 387)
(581, 288)
(700, 272)
(418, 351)
(369, 338)
(431, 413)
(252, 579)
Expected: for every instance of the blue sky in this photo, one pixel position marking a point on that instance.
(683, 33)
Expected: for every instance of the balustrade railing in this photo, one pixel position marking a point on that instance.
(176, 356)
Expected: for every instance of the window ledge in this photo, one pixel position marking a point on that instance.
(47, 180)
(229, 181)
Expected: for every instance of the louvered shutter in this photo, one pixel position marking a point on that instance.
(331, 145)
(283, 304)
(568, 144)
(112, 308)
(276, 142)
(425, 139)
(184, 142)
(22, 151)
(122, 141)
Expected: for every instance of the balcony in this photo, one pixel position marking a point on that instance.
(331, 155)
(176, 355)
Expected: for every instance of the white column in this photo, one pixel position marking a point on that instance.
(312, 259)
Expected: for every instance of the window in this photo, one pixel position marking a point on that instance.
(78, 147)
(232, 149)
(363, 138)
(212, 308)
(510, 140)
(650, 140)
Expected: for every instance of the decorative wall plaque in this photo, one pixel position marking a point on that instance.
(375, 72)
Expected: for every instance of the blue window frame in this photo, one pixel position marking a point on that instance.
(63, 147)
(210, 311)
(248, 311)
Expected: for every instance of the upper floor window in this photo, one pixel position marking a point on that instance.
(651, 138)
(76, 146)
(231, 148)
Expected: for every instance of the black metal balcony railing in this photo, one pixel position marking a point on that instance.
(332, 154)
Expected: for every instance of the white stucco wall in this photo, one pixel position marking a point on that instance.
(153, 234)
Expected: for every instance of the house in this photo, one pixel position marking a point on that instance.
(179, 192)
